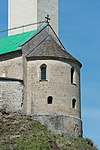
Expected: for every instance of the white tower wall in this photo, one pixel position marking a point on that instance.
(23, 12)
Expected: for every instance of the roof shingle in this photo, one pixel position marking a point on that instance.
(49, 48)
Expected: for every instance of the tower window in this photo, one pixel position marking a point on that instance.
(49, 100)
(43, 72)
(73, 76)
(74, 103)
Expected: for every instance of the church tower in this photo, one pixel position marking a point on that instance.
(24, 12)
(38, 76)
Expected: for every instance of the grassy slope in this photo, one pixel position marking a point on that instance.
(23, 133)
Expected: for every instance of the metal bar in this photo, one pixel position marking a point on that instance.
(22, 26)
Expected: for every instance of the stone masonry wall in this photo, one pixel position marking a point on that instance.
(59, 116)
(57, 84)
(11, 68)
(11, 95)
(64, 125)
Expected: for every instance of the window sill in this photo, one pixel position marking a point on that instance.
(43, 80)
(73, 84)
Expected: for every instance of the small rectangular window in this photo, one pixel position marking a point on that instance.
(49, 100)
(74, 103)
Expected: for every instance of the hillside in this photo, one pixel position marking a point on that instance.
(20, 132)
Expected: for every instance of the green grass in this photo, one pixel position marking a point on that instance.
(24, 133)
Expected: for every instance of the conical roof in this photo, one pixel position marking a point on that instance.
(49, 49)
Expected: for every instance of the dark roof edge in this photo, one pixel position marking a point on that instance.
(19, 50)
(57, 37)
(54, 58)
(10, 79)
(40, 29)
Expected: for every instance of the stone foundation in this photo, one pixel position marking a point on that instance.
(68, 126)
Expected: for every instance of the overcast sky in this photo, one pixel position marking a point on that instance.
(79, 31)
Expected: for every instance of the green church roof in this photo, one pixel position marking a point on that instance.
(12, 43)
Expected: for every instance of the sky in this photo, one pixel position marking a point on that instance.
(3, 16)
(79, 31)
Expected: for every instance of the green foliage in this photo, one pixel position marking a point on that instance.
(35, 140)
(23, 133)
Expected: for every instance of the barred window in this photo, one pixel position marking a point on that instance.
(43, 72)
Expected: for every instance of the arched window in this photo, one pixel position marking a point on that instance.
(73, 76)
(43, 72)
(49, 100)
(74, 103)
(72, 72)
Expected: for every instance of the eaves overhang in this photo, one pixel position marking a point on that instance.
(63, 59)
